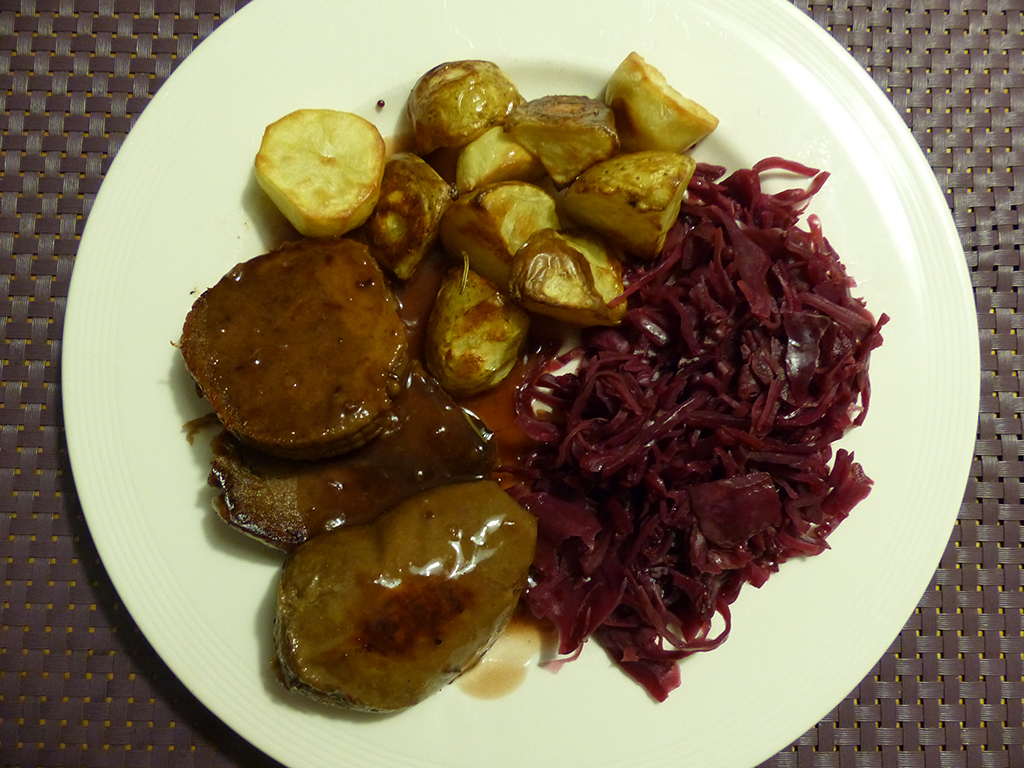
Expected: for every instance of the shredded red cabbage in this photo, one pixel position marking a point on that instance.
(689, 450)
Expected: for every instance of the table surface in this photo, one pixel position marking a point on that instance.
(79, 684)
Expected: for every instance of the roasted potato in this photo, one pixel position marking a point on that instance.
(475, 334)
(489, 225)
(322, 168)
(495, 156)
(632, 199)
(568, 133)
(404, 224)
(571, 276)
(650, 113)
(455, 102)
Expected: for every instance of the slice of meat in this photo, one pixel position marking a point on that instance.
(299, 351)
(378, 617)
(427, 440)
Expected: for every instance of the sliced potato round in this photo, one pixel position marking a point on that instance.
(322, 168)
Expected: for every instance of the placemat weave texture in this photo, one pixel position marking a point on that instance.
(80, 686)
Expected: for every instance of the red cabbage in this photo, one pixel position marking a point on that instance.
(688, 451)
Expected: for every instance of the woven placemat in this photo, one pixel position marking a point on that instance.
(79, 685)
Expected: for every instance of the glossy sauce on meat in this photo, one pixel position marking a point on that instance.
(300, 351)
(427, 440)
(378, 617)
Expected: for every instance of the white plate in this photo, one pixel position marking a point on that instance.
(179, 207)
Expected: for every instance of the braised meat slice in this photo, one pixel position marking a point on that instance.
(300, 351)
(378, 617)
(427, 440)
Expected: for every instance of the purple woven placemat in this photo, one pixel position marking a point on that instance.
(79, 685)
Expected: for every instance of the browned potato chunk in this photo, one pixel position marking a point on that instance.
(571, 276)
(650, 113)
(378, 617)
(455, 102)
(322, 169)
(494, 156)
(474, 334)
(492, 223)
(632, 199)
(568, 133)
(404, 225)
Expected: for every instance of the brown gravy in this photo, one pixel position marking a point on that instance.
(525, 642)
(495, 407)
(428, 441)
